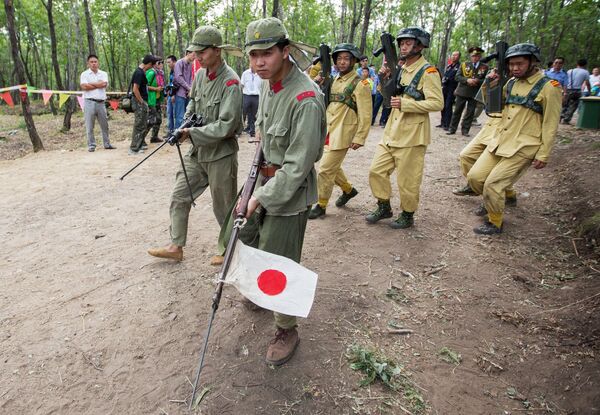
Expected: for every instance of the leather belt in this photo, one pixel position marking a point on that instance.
(269, 170)
(99, 101)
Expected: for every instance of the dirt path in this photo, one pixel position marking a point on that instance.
(89, 323)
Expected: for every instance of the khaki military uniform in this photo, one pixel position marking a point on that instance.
(405, 139)
(345, 126)
(524, 135)
(469, 155)
(291, 120)
(212, 160)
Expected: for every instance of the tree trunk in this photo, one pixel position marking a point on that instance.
(356, 18)
(365, 28)
(177, 28)
(89, 28)
(48, 6)
(36, 57)
(73, 53)
(195, 17)
(158, 17)
(240, 41)
(342, 37)
(275, 8)
(148, 30)
(36, 141)
(264, 8)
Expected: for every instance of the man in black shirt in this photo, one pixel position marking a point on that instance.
(449, 84)
(139, 88)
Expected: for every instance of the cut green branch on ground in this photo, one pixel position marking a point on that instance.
(450, 356)
(376, 367)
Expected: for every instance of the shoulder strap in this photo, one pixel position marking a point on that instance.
(346, 96)
(529, 100)
(411, 90)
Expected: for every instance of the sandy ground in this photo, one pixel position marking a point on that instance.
(90, 324)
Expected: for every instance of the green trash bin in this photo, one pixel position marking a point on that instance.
(589, 116)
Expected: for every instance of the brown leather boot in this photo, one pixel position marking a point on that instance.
(282, 347)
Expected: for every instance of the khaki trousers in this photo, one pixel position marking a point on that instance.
(492, 175)
(220, 175)
(330, 173)
(408, 163)
(470, 154)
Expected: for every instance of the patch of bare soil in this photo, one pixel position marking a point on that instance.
(91, 324)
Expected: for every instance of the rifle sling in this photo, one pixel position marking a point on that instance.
(346, 96)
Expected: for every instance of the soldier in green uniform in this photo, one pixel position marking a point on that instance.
(348, 122)
(292, 127)
(407, 132)
(212, 159)
(470, 76)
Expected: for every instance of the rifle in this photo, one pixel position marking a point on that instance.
(493, 93)
(173, 139)
(392, 86)
(325, 59)
(238, 224)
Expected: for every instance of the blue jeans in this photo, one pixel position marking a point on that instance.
(376, 105)
(180, 106)
(170, 115)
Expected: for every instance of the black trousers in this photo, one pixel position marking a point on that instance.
(448, 92)
(461, 102)
(250, 107)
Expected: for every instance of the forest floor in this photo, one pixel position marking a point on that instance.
(90, 324)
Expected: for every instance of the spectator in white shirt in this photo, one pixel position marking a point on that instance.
(93, 83)
(251, 83)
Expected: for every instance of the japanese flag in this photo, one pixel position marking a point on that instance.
(272, 281)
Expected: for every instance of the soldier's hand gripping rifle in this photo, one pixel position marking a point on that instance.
(239, 222)
(173, 139)
(493, 90)
(392, 87)
(325, 59)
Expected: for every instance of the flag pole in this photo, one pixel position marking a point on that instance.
(238, 224)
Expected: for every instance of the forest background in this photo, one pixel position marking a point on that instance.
(49, 40)
(55, 36)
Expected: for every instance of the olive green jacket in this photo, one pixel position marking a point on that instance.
(218, 98)
(292, 124)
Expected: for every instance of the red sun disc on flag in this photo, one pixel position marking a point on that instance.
(271, 282)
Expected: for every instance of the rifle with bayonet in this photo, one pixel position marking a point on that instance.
(240, 220)
(392, 87)
(173, 139)
(494, 99)
(325, 58)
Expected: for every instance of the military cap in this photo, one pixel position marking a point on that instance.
(205, 37)
(415, 32)
(346, 47)
(210, 37)
(265, 33)
(475, 50)
(524, 49)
